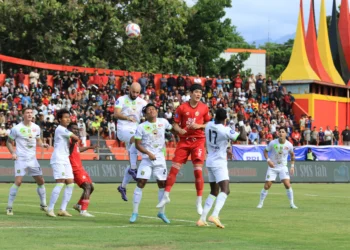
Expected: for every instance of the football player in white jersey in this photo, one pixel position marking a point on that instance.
(62, 169)
(26, 135)
(279, 150)
(150, 141)
(218, 148)
(128, 111)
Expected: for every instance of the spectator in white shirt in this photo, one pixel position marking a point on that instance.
(197, 80)
(111, 129)
(34, 77)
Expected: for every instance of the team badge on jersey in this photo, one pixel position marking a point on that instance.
(232, 131)
(196, 114)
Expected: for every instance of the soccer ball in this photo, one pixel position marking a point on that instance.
(132, 30)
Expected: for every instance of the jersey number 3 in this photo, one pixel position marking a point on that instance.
(213, 134)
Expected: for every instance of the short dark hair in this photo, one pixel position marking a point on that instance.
(195, 87)
(285, 129)
(144, 110)
(220, 115)
(60, 113)
(71, 125)
(25, 109)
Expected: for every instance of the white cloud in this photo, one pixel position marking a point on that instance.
(254, 19)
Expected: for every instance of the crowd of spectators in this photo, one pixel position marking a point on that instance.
(265, 103)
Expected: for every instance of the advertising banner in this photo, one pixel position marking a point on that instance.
(239, 171)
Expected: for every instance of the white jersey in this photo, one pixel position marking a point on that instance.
(279, 152)
(60, 153)
(152, 136)
(130, 108)
(25, 138)
(217, 136)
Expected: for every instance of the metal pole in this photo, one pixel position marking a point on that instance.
(1, 68)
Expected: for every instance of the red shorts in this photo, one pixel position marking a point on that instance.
(190, 146)
(81, 176)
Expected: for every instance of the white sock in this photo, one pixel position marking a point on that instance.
(12, 195)
(220, 202)
(137, 199)
(41, 190)
(207, 206)
(133, 156)
(127, 177)
(54, 195)
(263, 195)
(160, 196)
(68, 191)
(166, 194)
(199, 200)
(290, 195)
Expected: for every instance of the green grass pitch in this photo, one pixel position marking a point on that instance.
(321, 222)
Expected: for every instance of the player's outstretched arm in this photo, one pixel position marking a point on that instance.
(83, 149)
(242, 131)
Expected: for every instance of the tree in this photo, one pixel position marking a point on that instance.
(277, 57)
(175, 38)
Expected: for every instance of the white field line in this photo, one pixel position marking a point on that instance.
(92, 227)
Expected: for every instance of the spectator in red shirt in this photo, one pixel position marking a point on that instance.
(296, 137)
(96, 79)
(45, 100)
(20, 78)
(237, 83)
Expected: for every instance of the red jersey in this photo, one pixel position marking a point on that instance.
(74, 158)
(186, 115)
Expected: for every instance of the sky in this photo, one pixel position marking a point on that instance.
(259, 19)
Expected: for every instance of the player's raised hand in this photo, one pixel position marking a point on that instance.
(151, 156)
(45, 145)
(14, 156)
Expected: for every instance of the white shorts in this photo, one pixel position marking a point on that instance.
(62, 171)
(32, 166)
(218, 174)
(147, 167)
(125, 135)
(272, 173)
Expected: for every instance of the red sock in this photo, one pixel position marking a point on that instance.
(171, 179)
(85, 204)
(79, 202)
(198, 175)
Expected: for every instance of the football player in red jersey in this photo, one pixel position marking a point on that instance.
(190, 120)
(81, 177)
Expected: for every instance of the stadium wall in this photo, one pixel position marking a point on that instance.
(239, 172)
(325, 110)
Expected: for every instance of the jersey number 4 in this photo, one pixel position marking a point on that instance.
(213, 134)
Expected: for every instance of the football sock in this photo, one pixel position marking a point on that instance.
(133, 156)
(290, 195)
(207, 206)
(12, 195)
(127, 178)
(41, 190)
(199, 181)
(68, 191)
(263, 195)
(54, 195)
(171, 179)
(220, 202)
(84, 205)
(160, 196)
(199, 200)
(137, 199)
